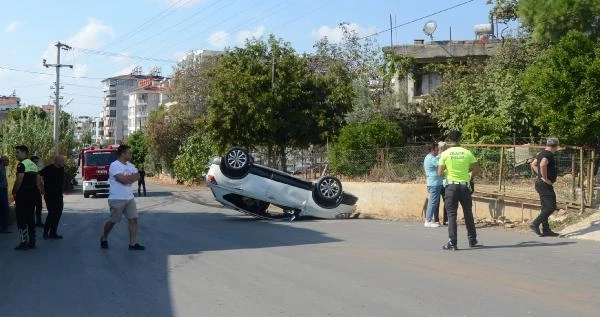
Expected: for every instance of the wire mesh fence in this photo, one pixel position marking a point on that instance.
(505, 169)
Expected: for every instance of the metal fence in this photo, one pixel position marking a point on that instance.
(505, 168)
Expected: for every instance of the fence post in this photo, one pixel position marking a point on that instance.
(582, 198)
(591, 177)
(501, 174)
(573, 193)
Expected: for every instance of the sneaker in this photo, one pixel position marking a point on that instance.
(535, 229)
(427, 224)
(450, 246)
(137, 246)
(434, 225)
(22, 247)
(55, 237)
(474, 244)
(549, 233)
(103, 244)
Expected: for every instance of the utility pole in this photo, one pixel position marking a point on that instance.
(58, 65)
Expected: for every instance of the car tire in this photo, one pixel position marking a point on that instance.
(86, 195)
(236, 163)
(327, 191)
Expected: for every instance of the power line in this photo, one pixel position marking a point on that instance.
(47, 74)
(105, 53)
(221, 22)
(164, 13)
(418, 19)
(220, 9)
(199, 11)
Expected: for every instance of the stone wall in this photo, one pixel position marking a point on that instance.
(407, 201)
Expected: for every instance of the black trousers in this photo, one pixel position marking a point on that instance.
(548, 202)
(54, 204)
(38, 207)
(141, 183)
(25, 209)
(456, 194)
(436, 213)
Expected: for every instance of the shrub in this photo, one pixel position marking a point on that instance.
(353, 153)
(192, 161)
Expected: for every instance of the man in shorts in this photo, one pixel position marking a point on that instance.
(121, 175)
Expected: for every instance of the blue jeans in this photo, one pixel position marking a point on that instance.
(434, 201)
(3, 208)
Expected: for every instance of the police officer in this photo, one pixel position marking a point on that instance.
(545, 167)
(25, 192)
(456, 163)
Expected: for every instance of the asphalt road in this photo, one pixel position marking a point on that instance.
(207, 261)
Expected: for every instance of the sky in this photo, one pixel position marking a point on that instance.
(111, 37)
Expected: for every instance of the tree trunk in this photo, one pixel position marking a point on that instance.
(282, 158)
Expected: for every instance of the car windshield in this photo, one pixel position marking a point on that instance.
(100, 158)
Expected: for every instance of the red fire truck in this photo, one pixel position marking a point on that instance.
(94, 169)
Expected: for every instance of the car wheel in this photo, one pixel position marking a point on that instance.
(236, 163)
(328, 189)
(85, 195)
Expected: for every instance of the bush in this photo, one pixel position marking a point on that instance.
(353, 152)
(191, 164)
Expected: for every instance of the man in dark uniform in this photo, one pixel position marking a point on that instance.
(25, 191)
(142, 181)
(38, 199)
(545, 167)
(53, 176)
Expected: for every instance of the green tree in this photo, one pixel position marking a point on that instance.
(86, 137)
(191, 163)
(192, 82)
(353, 152)
(550, 20)
(563, 88)
(167, 130)
(490, 89)
(137, 141)
(265, 95)
(505, 10)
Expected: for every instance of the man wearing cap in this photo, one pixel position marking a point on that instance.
(25, 190)
(456, 163)
(545, 167)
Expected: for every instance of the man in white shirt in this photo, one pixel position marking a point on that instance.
(121, 175)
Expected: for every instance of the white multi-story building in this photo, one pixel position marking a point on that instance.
(150, 94)
(116, 104)
(82, 124)
(97, 126)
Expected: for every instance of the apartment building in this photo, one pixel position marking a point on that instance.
(147, 97)
(115, 112)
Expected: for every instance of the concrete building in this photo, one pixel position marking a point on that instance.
(49, 108)
(97, 127)
(116, 103)
(150, 94)
(82, 124)
(427, 81)
(8, 103)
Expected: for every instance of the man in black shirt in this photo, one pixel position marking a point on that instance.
(25, 190)
(53, 177)
(545, 167)
(142, 181)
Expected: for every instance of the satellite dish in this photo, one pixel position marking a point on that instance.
(429, 28)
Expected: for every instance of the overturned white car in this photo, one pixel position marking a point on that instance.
(237, 182)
